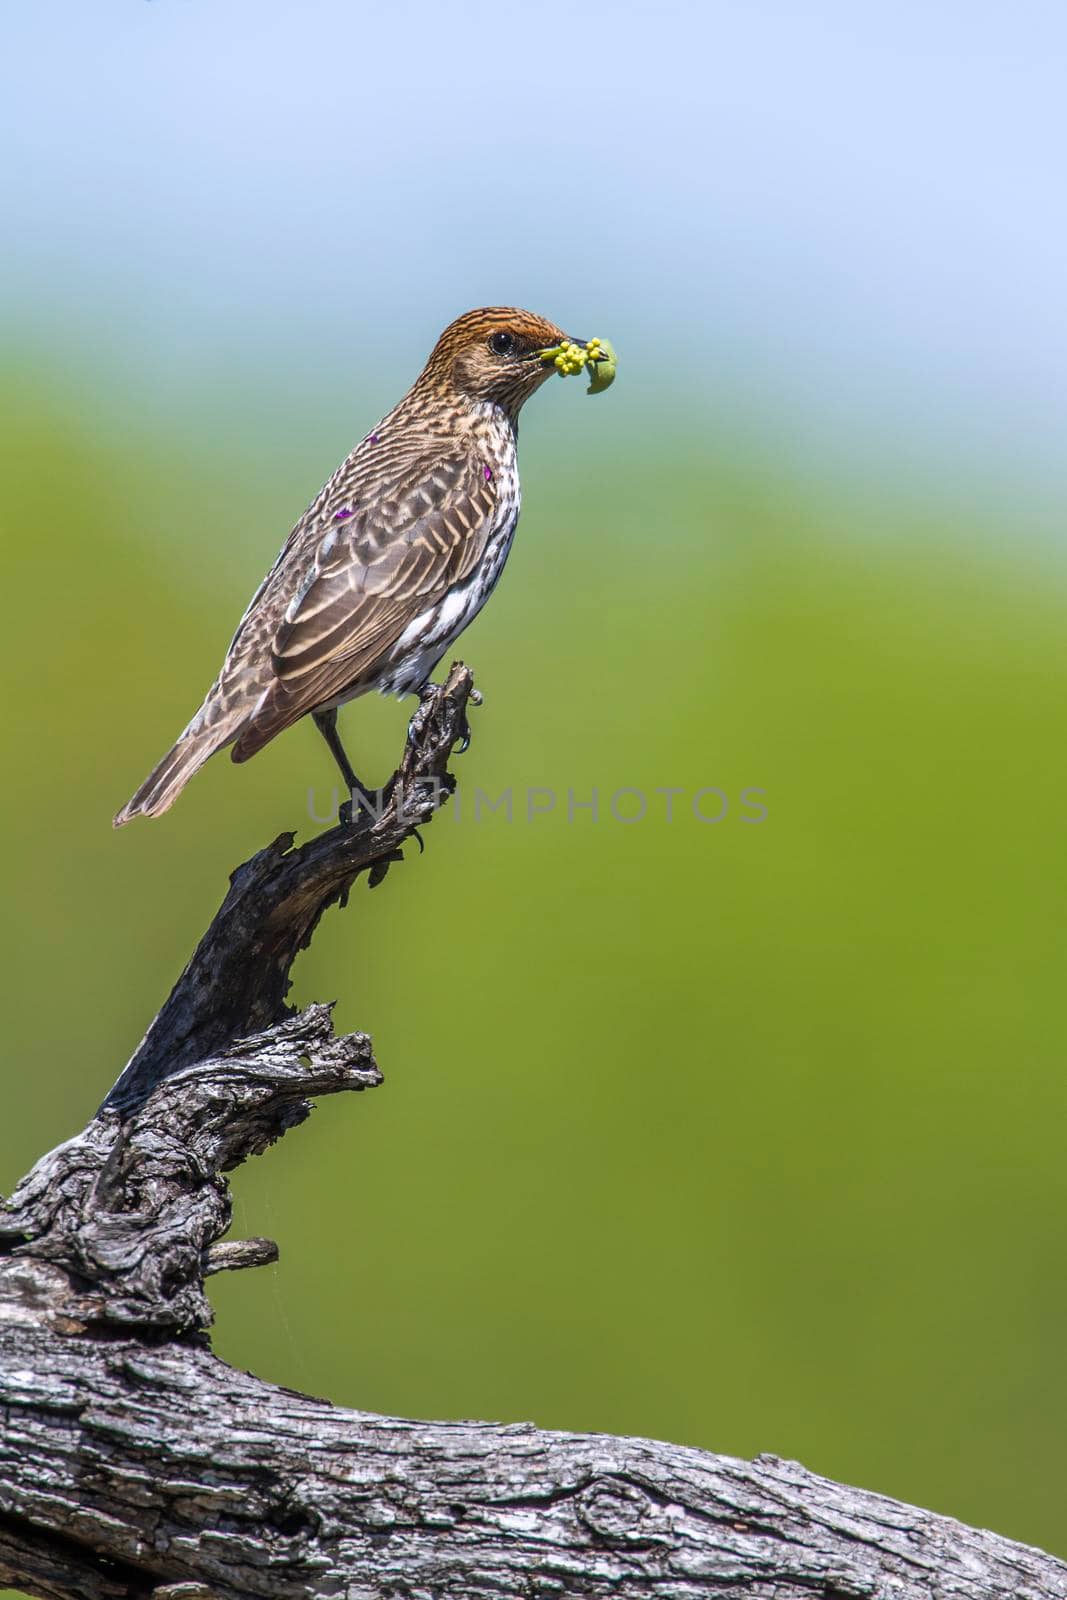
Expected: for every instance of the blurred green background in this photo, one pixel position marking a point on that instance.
(747, 1135)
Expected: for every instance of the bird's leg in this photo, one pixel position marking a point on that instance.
(326, 722)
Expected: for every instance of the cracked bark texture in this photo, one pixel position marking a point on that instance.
(133, 1462)
(181, 1470)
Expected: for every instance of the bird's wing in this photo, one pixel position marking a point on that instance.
(374, 570)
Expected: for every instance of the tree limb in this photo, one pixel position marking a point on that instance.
(238, 977)
(134, 1463)
(181, 1470)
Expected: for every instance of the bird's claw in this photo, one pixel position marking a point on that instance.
(473, 699)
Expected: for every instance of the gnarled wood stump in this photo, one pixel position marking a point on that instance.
(134, 1463)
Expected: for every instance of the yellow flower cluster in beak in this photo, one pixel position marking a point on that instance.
(570, 358)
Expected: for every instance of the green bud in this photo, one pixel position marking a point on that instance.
(569, 358)
(602, 367)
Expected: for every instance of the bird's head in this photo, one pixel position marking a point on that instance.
(495, 355)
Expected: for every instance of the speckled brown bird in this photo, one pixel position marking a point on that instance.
(390, 562)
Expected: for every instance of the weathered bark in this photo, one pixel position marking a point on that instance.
(238, 977)
(133, 1462)
(180, 1470)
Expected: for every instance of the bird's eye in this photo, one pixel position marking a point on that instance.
(502, 344)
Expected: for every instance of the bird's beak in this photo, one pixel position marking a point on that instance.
(551, 350)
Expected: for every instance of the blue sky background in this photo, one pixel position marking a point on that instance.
(843, 224)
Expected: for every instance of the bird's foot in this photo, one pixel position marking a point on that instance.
(427, 700)
(418, 720)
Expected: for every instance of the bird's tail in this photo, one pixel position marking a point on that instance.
(167, 780)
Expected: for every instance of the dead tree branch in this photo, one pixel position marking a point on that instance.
(134, 1463)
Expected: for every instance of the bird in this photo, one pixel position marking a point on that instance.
(391, 561)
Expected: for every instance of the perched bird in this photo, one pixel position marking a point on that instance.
(393, 558)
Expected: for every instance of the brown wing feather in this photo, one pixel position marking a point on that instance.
(378, 571)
